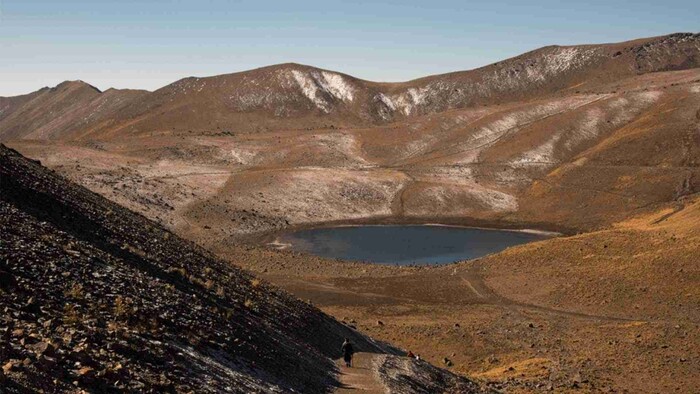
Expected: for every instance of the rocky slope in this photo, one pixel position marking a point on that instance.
(97, 298)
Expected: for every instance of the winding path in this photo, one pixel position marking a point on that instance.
(473, 280)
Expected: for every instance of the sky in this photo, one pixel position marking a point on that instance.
(148, 44)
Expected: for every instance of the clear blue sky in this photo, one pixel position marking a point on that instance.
(148, 44)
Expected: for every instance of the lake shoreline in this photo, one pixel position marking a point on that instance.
(269, 237)
(404, 244)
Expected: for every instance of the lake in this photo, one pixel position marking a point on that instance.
(405, 244)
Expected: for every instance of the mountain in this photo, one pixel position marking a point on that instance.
(568, 148)
(598, 142)
(52, 113)
(98, 298)
(293, 96)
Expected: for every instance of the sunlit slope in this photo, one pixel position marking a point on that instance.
(293, 96)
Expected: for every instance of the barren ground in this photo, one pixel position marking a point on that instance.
(611, 306)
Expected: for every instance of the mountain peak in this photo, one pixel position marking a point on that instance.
(76, 84)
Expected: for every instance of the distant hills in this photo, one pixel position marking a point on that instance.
(290, 96)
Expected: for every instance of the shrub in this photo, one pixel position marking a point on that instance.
(122, 307)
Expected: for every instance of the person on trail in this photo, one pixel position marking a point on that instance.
(410, 354)
(348, 351)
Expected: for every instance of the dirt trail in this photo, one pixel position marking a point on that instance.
(481, 290)
(361, 377)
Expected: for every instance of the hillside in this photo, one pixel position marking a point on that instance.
(570, 163)
(54, 113)
(293, 96)
(98, 298)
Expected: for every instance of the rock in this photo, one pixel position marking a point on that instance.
(41, 348)
(85, 371)
(380, 323)
(10, 366)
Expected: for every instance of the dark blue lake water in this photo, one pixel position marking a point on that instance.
(403, 245)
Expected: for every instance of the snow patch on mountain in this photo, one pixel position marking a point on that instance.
(385, 106)
(621, 110)
(588, 128)
(322, 87)
(540, 68)
(335, 85)
(387, 101)
(498, 128)
(412, 98)
(543, 154)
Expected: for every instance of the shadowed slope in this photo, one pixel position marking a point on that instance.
(99, 295)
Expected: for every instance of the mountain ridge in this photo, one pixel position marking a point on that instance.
(297, 64)
(292, 95)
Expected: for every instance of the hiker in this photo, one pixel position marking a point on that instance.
(347, 352)
(410, 354)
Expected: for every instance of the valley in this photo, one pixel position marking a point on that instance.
(600, 143)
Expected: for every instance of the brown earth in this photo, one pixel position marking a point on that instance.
(601, 143)
(610, 310)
